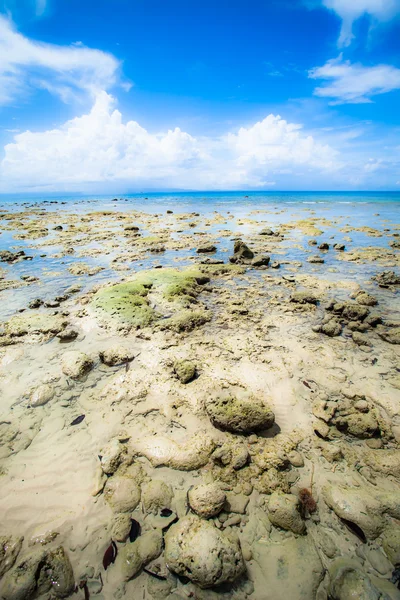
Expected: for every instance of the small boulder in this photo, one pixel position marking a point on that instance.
(303, 298)
(261, 261)
(142, 551)
(67, 335)
(111, 456)
(41, 395)
(243, 414)
(76, 364)
(122, 493)
(206, 500)
(332, 328)
(339, 247)
(242, 253)
(354, 312)
(205, 248)
(156, 495)
(323, 246)
(284, 512)
(196, 549)
(116, 355)
(266, 231)
(185, 370)
(315, 260)
(366, 299)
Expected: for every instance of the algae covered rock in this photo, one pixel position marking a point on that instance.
(240, 414)
(360, 425)
(303, 298)
(9, 550)
(35, 322)
(116, 355)
(349, 581)
(76, 364)
(185, 370)
(284, 512)
(185, 320)
(206, 500)
(196, 549)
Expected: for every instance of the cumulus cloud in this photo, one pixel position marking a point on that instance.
(63, 70)
(100, 147)
(351, 10)
(354, 83)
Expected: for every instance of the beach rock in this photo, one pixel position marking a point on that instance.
(312, 242)
(35, 322)
(392, 336)
(266, 231)
(348, 581)
(284, 512)
(206, 500)
(366, 299)
(196, 549)
(185, 370)
(67, 335)
(373, 320)
(360, 425)
(315, 260)
(122, 493)
(76, 364)
(339, 247)
(41, 395)
(111, 456)
(242, 253)
(156, 495)
(116, 355)
(323, 246)
(387, 278)
(332, 328)
(360, 339)
(206, 248)
(354, 312)
(261, 261)
(390, 543)
(9, 550)
(138, 554)
(37, 574)
(243, 414)
(303, 298)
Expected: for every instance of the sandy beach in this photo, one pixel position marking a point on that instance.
(200, 403)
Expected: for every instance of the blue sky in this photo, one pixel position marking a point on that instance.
(123, 95)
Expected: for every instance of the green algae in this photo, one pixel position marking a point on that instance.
(132, 303)
(34, 322)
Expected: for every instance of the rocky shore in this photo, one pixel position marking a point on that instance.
(199, 405)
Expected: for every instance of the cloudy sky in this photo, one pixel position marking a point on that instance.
(126, 95)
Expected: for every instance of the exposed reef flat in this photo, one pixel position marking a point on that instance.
(199, 404)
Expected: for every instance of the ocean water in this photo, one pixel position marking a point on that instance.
(379, 210)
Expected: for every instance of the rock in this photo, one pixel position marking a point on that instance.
(242, 253)
(323, 246)
(373, 320)
(38, 574)
(348, 581)
(387, 278)
(354, 312)
(185, 370)
(196, 549)
(76, 364)
(36, 303)
(312, 242)
(142, 551)
(291, 569)
(243, 414)
(296, 459)
(35, 322)
(332, 328)
(275, 265)
(339, 247)
(303, 298)
(236, 503)
(384, 461)
(284, 512)
(58, 228)
(315, 260)
(116, 355)
(266, 231)
(111, 456)
(362, 425)
(366, 300)
(206, 248)
(378, 561)
(156, 495)
(67, 335)
(41, 395)
(9, 550)
(392, 336)
(261, 261)
(122, 493)
(390, 543)
(206, 500)
(360, 339)
(272, 480)
(121, 527)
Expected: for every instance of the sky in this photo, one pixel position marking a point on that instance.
(118, 96)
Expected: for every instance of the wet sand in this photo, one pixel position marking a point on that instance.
(227, 379)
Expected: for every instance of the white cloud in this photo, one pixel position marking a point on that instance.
(100, 147)
(354, 83)
(351, 10)
(63, 70)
